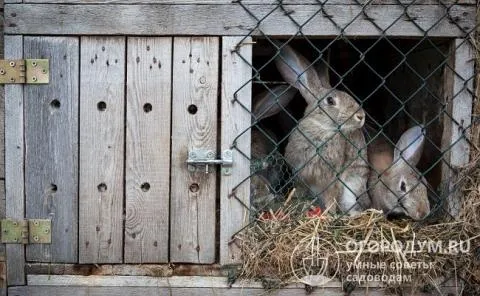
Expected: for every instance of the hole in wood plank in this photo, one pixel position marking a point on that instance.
(102, 106)
(194, 187)
(53, 187)
(145, 187)
(192, 109)
(102, 187)
(147, 107)
(55, 104)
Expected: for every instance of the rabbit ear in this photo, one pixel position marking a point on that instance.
(271, 101)
(322, 69)
(297, 71)
(410, 145)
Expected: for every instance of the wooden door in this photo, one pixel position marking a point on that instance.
(106, 142)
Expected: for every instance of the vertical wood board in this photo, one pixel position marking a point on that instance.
(14, 163)
(102, 114)
(194, 125)
(51, 147)
(148, 149)
(462, 101)
(236, 91)
(458, 92)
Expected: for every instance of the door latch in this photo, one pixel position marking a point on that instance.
(206, 158)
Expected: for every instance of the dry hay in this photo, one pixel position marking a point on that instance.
(273, 248)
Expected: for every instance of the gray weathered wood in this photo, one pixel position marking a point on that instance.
(2, 108)
(195, 82)
(51, 148)
(236, 119)
(189, 282)
(156, 270)
(232, 19)
(462, 101)
(149, 77)
(102, 115)
(459, 77)
(14, 149)
(154, 291)
(248, 1)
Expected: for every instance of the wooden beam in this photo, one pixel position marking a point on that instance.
(220, 2)
(192, 285)
(233, 19)
(155, 291)
(14, 163)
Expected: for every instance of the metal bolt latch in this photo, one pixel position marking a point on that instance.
(206, 158)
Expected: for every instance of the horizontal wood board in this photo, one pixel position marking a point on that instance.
(233, 19)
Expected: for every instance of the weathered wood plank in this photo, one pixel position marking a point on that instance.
(234, 20)
(459, 77)
(147, 175)
(14, 163)
(2, 106)
(194, 125)
(219, 2)
(51, 147)
(462, 101)
(101, 285)
(188, 282)
(2, 214)
(236, 96)
(102, 103)
(154, 291)
(156, 270)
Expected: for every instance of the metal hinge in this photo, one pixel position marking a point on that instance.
(32, 231)
(206, 158)
(30, 71)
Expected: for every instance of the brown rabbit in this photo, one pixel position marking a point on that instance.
(327, 149)
(395, 185)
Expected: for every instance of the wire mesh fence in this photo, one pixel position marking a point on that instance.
(342, 124)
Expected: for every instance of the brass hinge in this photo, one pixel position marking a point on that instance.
(30, 71)
(32, 231)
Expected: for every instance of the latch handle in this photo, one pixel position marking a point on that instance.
(204, 157)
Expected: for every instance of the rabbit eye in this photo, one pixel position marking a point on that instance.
(330, 101)
(403, 186)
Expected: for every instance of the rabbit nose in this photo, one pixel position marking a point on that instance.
(359, 117)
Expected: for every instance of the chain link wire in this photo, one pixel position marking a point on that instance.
(307, 148)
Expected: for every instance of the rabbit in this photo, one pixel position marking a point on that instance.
(267, 162)
(330, 129)
(395, 185)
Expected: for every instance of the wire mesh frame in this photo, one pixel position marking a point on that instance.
(437, 196)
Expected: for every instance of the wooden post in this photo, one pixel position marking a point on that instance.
(459, 76)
